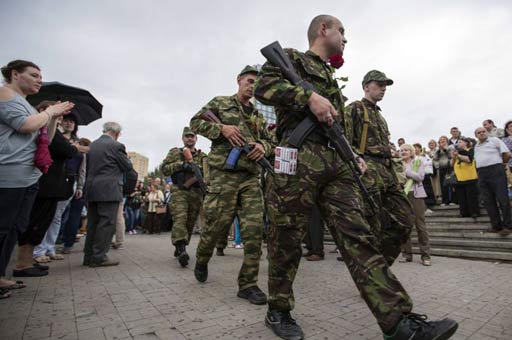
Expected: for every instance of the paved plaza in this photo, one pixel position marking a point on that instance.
(148, 296)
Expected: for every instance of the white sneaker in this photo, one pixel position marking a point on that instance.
(239, 246)
(130, 232)
(135, 232)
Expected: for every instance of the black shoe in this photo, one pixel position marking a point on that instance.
(29, 272)
(220, 252)
(176, 251)
(283, 325)
(201, 272)
(183, 258)
(340, 258)
(416, 327)
(253, 294)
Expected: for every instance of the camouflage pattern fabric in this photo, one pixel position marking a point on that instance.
(184, 204)
(234, 193)
(381, 181)
(222, 241)
(321, 179)
(230, 111)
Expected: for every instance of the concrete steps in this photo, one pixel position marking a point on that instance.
(454, 236)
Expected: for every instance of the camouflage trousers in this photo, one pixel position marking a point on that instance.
(392, 222)
(230, 194)
(184, 206)
(323, 179)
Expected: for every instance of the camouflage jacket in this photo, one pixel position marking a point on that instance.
(230, 112)
(377, 138)
(290, 101)
(173, 163)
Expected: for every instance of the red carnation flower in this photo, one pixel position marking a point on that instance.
(336, 60)
(271, 127)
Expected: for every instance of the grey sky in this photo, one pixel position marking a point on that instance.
(153, 64)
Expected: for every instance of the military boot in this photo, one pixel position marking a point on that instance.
(201, 272)
(283, 325)
(416, 327)
(183, 257)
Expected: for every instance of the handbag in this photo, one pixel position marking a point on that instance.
(42, 158)
(449, 180)
(160, 209)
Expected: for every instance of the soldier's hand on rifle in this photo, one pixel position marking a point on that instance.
(362, 164)
(322, 109)
(257, 153)
(233, 135)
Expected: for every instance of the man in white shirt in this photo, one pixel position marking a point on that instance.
(490, 154)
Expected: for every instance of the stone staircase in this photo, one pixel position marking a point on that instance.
(454, 236)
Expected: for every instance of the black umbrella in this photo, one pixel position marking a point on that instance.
(87, 108)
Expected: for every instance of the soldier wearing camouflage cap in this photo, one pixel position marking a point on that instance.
(185, 202)
(323, 179)
(370, 137)
(234, 191)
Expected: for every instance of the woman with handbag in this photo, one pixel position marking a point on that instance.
(156, 208)
(467, 179)
(415, 173)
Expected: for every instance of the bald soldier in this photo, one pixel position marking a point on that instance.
(369, 135)
(229, 122)
(321, 178)
(186, 200)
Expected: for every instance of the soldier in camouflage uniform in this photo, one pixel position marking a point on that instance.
(185, 202)
(370, 138)
(234, 192)
(323, 179)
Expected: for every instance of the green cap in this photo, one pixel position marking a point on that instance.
(248, 69)
(187, 132)
(377, 76)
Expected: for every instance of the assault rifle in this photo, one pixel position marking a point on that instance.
(198, 176)
(234, 155)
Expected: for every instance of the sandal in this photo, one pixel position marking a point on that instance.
(17, 285)
(4, 293)
(56, 257)
(29, 272)
(42, 259)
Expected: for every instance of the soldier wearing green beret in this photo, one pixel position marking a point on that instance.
(323, 179)
(234, 190)
(370, 138)
(186, 200)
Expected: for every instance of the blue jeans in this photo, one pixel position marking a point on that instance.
(132, 217)
(47, 246)
(73, 222)
(238, 236)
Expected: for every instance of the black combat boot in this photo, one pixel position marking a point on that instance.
(183, 257)
(253, 294)
(283, 325)
(416, 327)
(220, 251)
(201, 272)
(176, 251)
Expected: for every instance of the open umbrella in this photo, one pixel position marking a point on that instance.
(87, 108)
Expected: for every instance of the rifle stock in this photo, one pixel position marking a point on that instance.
(275, 54)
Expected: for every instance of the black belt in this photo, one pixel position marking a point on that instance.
(315, 137)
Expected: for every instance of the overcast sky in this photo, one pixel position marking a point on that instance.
(154, 64)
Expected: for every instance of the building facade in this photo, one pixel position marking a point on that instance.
(140, 163)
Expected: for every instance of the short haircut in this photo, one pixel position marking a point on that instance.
(16, 65)
(454, 128)
(417, 145)
(490, 122)
(315, 24)
(111, 127)
(443, 137)
(410, 148)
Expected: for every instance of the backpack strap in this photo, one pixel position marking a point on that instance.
(364, 134)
